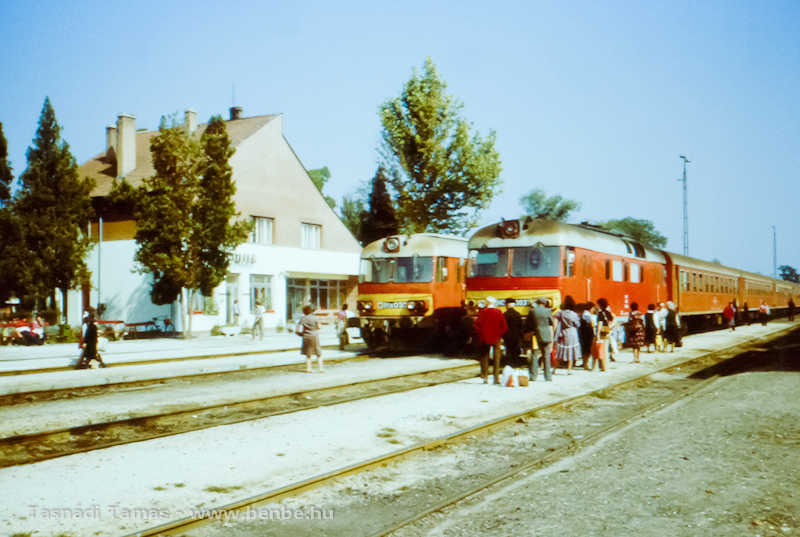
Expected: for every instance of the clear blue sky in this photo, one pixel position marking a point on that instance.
(592, 100)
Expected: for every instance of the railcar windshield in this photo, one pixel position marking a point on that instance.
(488, 263)
(398, 270)
(414, 269)
(533, 261)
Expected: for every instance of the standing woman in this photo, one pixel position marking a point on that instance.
(650, 329)
(568, 346)
(672, 332)
(309, 328)
(586, 332)
(636, 331)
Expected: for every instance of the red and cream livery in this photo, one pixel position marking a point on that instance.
(409, 282)
(533, 257)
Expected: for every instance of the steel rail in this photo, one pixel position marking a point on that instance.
(151, 421)
(177, 527)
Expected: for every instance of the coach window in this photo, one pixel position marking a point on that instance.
(569, 261)
(694, 282)
(441, 269)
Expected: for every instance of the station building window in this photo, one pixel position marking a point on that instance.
(312, 236)
(260, 291)
(262, 230)
(321, 294)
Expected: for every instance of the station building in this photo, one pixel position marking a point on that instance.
(299, 252)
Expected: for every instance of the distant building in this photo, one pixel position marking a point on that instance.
(299, 252)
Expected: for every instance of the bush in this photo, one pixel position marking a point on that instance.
(215, 331)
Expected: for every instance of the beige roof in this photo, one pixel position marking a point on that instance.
(104, 170)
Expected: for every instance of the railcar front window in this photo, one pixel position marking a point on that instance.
(414, 269)
(489, 263)
(541, 262)
(376, 270)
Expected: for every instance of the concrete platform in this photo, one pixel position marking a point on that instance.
(235, 354)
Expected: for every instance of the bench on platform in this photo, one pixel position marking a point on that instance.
(135, 328)
(113, 330)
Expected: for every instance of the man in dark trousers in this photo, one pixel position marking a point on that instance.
(540, 322)
(90, 345)
(513, 335)
(490, 326)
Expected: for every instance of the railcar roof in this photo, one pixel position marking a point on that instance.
(422, 244)
(551, 233)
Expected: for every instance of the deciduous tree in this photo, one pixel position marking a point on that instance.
(642, 230)
(442, 175)
(789, 274)
(185, 215)
(6, 177)
(53, 209)
(536, 203)
(352, 211)
(320, 176)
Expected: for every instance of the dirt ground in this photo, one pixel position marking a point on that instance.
(721, 462)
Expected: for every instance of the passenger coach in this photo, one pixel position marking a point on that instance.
(409, 286)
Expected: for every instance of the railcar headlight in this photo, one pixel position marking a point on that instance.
(411, 304)
(392, 244)
(510, 229)
(471, 304)
(481, 303)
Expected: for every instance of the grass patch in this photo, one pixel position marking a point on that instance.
(395, 441)
(221, 490)
(29, 534)
(180, 485)
(388, 430)
(385, 435)
(601, 394)
(159, 488)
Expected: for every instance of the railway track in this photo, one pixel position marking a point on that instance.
(703, 371)
(28, 448)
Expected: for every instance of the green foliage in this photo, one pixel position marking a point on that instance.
(789, 274)
(184, 211)
(441, 176)
(6, 177)
(13, 255)
(641, 230)
(379, 220)
(321, 176)
(352, 209)
(215, 237)
(536, 203)
(163, 212)
(52, 207)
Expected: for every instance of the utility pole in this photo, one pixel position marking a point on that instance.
(685, 210)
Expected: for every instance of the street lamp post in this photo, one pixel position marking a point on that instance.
(685, 210)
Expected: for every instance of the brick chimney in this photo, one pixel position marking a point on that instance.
(190, 120)
(111, 141)
(236, 112)
(126, 144)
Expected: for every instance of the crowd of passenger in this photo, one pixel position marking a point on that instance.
(27, 331)
(583, 335)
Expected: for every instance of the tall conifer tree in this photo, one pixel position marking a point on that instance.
(6, 177)
(379, 220)
(54, 210)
